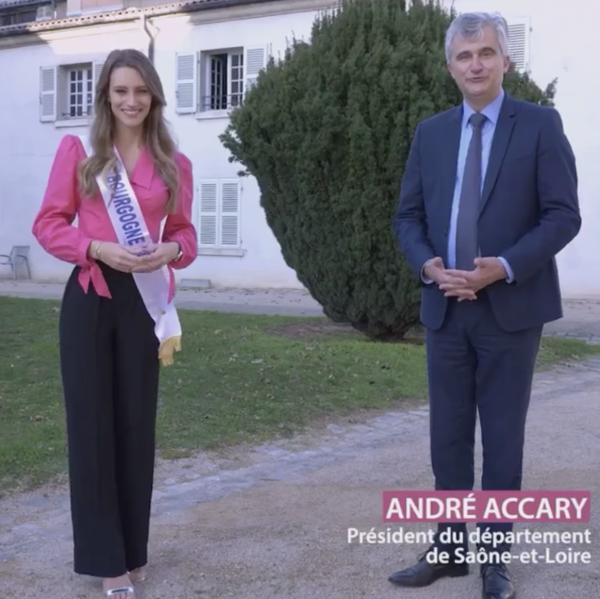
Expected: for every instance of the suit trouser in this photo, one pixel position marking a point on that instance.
(475, 366)
(110, 373)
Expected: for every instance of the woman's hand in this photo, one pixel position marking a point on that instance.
(116, 256)
(157, 256)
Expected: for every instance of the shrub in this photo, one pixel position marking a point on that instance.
(326, 133)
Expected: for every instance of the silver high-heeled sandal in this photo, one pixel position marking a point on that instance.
(119, 591)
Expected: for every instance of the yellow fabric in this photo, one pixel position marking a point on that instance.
(167, 348)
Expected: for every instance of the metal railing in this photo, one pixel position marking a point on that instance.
(221, 102)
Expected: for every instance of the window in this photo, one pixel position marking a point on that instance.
(219, 225)
(216, 80)
(224, 87)
(80, 84)
(67, 91)
(18, 17)
(519, 43)
(90, 6)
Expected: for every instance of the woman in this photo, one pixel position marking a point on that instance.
(108, 344)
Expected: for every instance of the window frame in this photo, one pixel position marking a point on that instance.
(209, 101)
(55, 91)
(193, 79)
(87, 70)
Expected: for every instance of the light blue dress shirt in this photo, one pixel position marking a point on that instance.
(491, 111)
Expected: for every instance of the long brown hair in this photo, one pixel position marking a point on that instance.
(157, 137)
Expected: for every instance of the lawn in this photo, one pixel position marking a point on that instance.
(239, 378)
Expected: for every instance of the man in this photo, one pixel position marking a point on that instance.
(488, 199)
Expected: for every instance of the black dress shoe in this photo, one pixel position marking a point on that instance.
(424, 573)
(496, 582)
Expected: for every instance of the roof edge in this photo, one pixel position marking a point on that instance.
(116, 16)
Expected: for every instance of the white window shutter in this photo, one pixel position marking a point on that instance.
(48, 93)
(230, 214)
(96, 71)
(518, 44)
(186, 83)
(209, 210)
(255, 60)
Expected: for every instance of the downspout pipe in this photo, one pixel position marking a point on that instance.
(146, 30)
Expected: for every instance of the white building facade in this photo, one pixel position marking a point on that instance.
(206, 57)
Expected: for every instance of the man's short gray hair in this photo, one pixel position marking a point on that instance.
(470, 26)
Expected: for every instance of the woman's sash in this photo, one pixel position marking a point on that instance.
(131, 230)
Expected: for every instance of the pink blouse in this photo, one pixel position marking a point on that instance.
(53, 227)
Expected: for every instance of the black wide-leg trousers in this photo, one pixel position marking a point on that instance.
(110, 374)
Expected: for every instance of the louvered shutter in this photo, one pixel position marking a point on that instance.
(518, 47)
(96, 72)
(48, 93)
(186, 82)
(209, 212)
(230, 209)
(255, 59)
